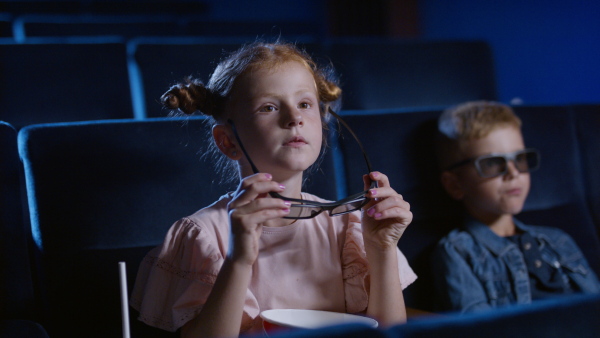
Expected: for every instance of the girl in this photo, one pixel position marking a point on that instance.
(249, 252)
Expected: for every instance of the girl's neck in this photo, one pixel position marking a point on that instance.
(292, 182)
(293, 186)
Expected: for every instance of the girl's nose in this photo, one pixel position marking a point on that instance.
(293, 118)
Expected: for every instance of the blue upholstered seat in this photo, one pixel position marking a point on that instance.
(587, 119)
(383, 73)
(16, 291)
(572, 316)
(101, 192)
(124, 26)
(62, 80)
(557, 196)
(159, 63)
(21, 328)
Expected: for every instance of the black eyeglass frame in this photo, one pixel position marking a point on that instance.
(507, 157)
(314, 204)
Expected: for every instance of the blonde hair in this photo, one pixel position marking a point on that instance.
(191, 95)
(470, 121)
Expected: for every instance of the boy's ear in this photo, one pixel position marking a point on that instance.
(452, 185)
(224, 140)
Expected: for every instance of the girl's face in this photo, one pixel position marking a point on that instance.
(276, 113)
(496, 196)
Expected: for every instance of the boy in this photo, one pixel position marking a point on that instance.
(495, 260)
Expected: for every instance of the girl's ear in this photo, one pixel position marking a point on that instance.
(452, 185)
(224, 140)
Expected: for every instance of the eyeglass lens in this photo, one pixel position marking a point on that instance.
(309, 211)
(492, 166)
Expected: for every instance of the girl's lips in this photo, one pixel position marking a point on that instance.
(295, 141)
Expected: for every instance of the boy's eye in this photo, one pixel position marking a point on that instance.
(304, 105)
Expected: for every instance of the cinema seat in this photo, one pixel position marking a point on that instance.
(587, 119)
(386, 74)
(557, 195)
(16, 288)
(63, 80)
(101, 192)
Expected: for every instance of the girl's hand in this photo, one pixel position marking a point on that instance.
(386, 216)
(248, 210)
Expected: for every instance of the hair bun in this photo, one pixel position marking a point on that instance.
(188, 97)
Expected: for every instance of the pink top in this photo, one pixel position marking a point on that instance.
(317, 263)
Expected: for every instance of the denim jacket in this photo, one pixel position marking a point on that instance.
(475, 269)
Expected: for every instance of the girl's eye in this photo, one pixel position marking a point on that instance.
(267, 109)
(304, 105)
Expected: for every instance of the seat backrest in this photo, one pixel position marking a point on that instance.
(557, 195)
(252, 29)
(5, 26)
(54, 80)
(125, 26)
(101, 192)
(577, 319)
(400, 145)
(160, 63)
(21, 328)
(379, 74)
(163, 62)
(587, 119)
(16, 291)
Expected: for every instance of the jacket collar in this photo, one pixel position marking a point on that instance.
(484, 235)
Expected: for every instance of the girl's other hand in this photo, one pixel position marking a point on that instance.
(248, 210)
(386, 216)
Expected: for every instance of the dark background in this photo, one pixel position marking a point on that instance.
(546, 51)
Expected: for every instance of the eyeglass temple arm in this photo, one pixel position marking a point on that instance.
(237, 137)
(339, 118)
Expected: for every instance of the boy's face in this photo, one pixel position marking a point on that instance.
(492, 197)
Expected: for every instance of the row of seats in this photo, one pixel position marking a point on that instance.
(573, 317)
(27, 26)
(100, 192)
(75, 79)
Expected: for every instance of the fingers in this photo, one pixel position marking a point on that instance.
(248, 205)
(385, 201)
(254, 186)
(261, 209)
(381, 179)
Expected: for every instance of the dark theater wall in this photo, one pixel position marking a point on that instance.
(546, 51)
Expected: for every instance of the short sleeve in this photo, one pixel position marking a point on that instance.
(355, 268)
(175, 278)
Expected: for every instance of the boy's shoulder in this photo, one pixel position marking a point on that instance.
(548, 231)
(457, 240)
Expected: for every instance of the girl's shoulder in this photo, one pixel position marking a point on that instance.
(215, 211)
(210, 220)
